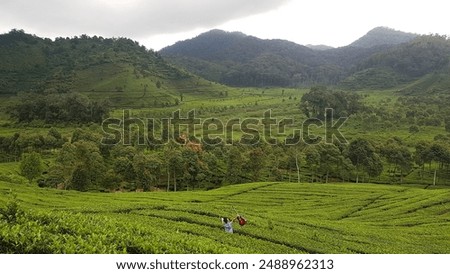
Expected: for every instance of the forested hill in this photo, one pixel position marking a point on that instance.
(30, 63)
(99, 65)
(236, 59)
(383, 36)
(382, 58)
(422, 62)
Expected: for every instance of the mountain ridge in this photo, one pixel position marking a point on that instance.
(242, 60)
(383, 36)
(119, 66)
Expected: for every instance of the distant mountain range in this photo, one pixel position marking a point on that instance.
(382, 58)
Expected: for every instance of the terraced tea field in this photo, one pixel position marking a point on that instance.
(282, 218)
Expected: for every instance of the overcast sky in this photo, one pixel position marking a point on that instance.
(159, 23)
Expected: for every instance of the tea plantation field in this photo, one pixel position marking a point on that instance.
(282, 218)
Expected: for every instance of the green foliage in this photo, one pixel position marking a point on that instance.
(56, 108)
(239, 60)
(398, 154)
(12, 210)
(235, 165)
(318, 99)
(383, 58)
(433, 83)
(147, 169)
(363, 156)
(371, 78)
(79, 165)
(423, 55)
(31, 165)
(61, 64)
(255, 163)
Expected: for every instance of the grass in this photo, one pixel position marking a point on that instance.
(282, 218)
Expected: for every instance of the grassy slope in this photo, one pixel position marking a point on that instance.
(283, 218)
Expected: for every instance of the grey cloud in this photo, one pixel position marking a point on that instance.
(131, 18)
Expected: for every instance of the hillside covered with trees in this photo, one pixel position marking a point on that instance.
(30, 63)
(383, 58)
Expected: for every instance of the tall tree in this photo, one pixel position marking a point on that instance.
(364, 158)
(31, 165)
(176, 166)
(235, 165)
(255, 163)
(329, 159)
(398, 155)
(80, 164)
(191, 167)
(312, 157)
(147, 168)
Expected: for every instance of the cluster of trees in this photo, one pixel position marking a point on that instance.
(58, 108)
(437, 152)
(416, 112)
(84, 164)
(318, 99)
(11, 147)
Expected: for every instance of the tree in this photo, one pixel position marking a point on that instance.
(363, 157)
(375, 166)
(255, 163)
(191, 166)
(414, 129)
(80, 165)
(447, 124)
(175, 167)
(329, 159)
(53, 107)
(398, 155)
(31, 165)
(123, 167)
(293, 160)
(235, 165)
(440, 153)
(147, 168)
(421, 156)
(312, 157)
(111, 180)
(214, 173)
(315, 102)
